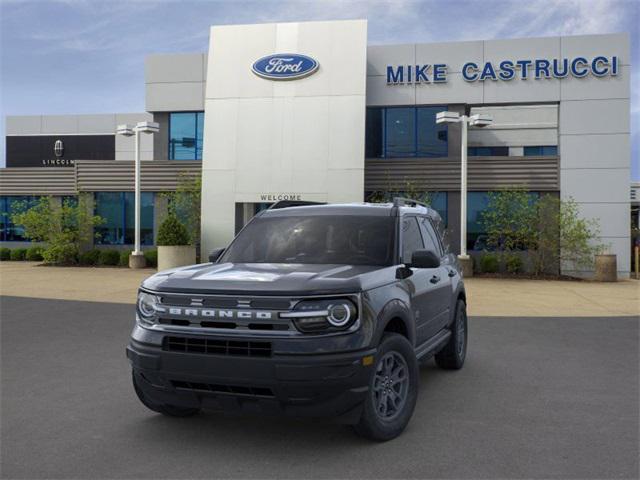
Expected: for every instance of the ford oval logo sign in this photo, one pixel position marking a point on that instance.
(285, 66)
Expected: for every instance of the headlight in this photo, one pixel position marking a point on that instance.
(147, 307)
(311, 316)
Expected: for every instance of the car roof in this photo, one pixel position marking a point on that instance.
(358, 209)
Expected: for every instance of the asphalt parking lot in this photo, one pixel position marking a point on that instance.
(538, 398)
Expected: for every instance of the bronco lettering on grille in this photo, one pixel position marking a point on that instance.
(215, 313)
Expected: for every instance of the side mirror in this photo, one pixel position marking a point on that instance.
(215, 254)
(424, 259)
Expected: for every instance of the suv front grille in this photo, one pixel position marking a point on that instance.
(230, 389)
(217, 347)
(232, 324)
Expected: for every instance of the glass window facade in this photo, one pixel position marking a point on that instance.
(405, 132)
(541, 151)
(117, 209)
(477, 203)
(9, 232)
(488, 151)
(185, 135)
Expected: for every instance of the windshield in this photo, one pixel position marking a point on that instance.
(344, 239)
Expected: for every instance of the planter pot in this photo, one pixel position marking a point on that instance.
(176, 256)
(606, 268)
(466, 264)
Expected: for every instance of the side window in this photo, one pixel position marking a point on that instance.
(411, 238)
(431, 241)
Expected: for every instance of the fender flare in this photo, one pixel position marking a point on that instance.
(395, 309)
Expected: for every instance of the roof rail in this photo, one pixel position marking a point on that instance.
(293, 203)
(407, 202)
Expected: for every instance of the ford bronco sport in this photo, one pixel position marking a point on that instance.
(321, 310)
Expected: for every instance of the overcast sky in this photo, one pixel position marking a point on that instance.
(84, 56)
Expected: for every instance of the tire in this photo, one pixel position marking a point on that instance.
(385, 415)
(452, 356)
(169, 410)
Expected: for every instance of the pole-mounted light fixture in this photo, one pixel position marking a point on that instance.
(136, 259)
(477, 120)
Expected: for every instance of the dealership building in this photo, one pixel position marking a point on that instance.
(309, 111)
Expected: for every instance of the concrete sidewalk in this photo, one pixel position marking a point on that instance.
(486, 297)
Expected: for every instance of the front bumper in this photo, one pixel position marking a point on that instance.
(322, 385)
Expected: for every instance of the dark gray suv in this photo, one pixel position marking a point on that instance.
(321, 310)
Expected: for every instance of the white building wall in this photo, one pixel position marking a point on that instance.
(175, 82)
(303, 137)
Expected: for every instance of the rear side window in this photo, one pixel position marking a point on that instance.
(430, 237)
(411, 238)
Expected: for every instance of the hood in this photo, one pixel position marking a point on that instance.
(270, 279)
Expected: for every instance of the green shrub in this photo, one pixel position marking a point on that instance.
(489, 263)
(63, 227)
(151, 256)
(109, 257)
(34, 254)
(172, 232)
(5, 254)
(514, 263)
(18, 254)
(124, 258)
(90, 257)
(61, 254)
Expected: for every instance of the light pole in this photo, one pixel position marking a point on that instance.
(477, 120)
(136, 259)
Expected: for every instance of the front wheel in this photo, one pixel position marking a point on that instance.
(393, 390)
(452, 356)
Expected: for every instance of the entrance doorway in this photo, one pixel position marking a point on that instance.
(246, 211)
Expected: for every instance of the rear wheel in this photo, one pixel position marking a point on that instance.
(452, 356)
(169, 410)
(393, 390)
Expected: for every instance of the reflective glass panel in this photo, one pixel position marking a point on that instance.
(117, 209)
(432, 137)
(400, 132)
(185, 135)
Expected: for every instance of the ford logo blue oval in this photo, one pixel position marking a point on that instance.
(285, 66)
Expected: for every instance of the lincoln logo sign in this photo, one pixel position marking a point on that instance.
(505, 70)
(58, 148)
(285, 66)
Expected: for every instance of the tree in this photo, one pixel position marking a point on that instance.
(184, 203)
(563, 237)
(551, 229)
(172, 232)
(509, 220)
(63, 227)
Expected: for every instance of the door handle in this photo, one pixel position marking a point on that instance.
(452, 273)
(435, 279)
